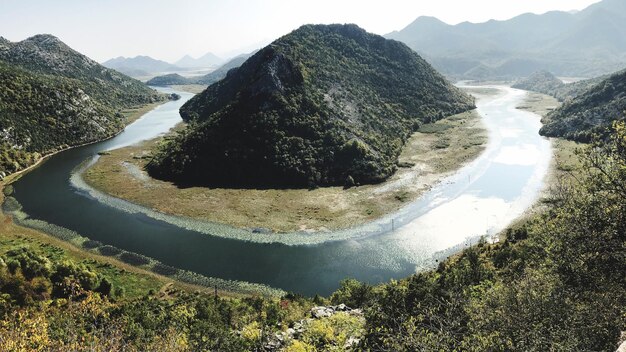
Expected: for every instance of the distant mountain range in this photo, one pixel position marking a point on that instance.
(210, 78)
(139, 65)
(293, 115)
(581, 44)
(52, 97)
(206, 60)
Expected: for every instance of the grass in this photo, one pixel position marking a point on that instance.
(539, 104)
(190, 88)
(134, 281)
(133, 115)
(427, 157)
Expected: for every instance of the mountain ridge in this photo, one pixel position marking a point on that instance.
(582, 44)
(323, 105)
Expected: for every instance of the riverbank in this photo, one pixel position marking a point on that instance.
(430, 155)
(135, 280)
(564, 160)
(131, 115)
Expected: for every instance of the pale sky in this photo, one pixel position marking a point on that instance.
(169, 29)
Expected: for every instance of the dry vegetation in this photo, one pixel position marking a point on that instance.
(428, 156)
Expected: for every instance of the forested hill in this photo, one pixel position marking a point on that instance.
(545, 82)
(540, 81)
(52, 97)
(323, 105)
(589, 113)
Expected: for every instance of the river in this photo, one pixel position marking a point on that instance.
(482, 198)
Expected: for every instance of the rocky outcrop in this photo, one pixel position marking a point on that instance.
(281, 339)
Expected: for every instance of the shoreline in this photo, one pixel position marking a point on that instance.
(118, 179)
(15, 225)
(16, 175)
(563, 158)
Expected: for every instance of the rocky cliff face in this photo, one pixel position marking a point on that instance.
(317, 107)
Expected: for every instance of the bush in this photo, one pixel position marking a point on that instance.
(91, 244)
(165, 270)
(109, 250)
(134, 259)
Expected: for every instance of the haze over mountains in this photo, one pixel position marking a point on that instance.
(206, 60)
(139, 65)
(209, 78)
(295, 115)
(581, 44)
(142, 66)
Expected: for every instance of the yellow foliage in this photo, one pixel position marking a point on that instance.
(299, 346)
(24, 332)
(251, 332)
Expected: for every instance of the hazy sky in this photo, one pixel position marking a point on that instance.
(169, 29)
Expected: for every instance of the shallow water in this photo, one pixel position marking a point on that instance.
(480, 199)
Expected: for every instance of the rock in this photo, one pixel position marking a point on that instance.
(322, 312)
(349, 182)
(351, 342)
(341, 308)
(622, 346)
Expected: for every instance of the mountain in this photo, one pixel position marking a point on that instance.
(589, 113)
(210, 78)
(585, 43)
(221, 72)
(52, 97)
(540, 81)
(207, 60)
(323, 105)
(546, 83)
(169, 79)
(139, 65)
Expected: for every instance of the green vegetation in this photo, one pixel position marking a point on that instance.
(590, 113)
(51, 303)
(317, 107)
(169, 79)
(554, 282)
(119, 174)
(541, 82)
(52, 97)
(51, 300)
(546, 83)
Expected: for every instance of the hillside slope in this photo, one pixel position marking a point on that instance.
(323, 105)
(540, 81)
(591, 112)
(52, 97)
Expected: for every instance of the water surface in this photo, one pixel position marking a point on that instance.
(480, 199)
